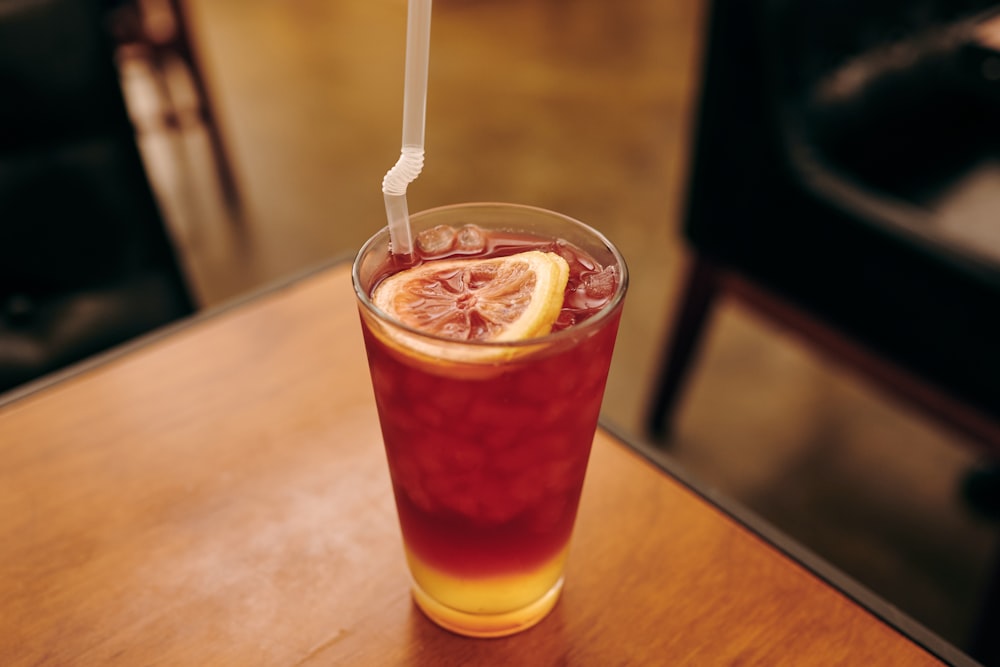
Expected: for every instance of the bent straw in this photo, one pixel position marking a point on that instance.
(411, 158)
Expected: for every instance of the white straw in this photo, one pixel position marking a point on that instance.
(411, 158)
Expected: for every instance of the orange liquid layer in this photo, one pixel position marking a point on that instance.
(489, 606)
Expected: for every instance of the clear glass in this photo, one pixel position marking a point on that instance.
(488, 458)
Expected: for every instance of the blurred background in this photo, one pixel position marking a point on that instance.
(586, 107)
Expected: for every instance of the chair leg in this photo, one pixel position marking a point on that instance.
(158, 32)
(700, 292)
(185, 50)
(984, 645)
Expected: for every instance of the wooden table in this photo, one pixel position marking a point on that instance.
(217, 494)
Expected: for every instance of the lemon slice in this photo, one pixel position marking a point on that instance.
(500, 299)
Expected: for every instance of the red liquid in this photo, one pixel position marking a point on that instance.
(487, 470)
(487, 473)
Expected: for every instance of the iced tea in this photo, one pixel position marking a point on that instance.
(487, 460)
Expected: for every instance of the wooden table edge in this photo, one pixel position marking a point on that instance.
(211, 312)
(788, 546)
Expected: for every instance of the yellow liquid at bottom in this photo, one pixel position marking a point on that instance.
(488, 606)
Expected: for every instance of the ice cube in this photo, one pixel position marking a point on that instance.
(419, 496)
(436, 241)
(470, 239)
(600, 285)
(495, 504)
(465, 455)
(527, 486)
(550, 515)
(566, 319)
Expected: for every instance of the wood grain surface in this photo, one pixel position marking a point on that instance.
(219, 496)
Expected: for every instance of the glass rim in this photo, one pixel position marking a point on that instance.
(570, 332)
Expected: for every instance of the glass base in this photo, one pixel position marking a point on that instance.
(487, 625)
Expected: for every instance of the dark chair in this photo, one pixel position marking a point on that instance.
(846, 183)
(85, 259)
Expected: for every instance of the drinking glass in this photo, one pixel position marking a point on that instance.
(487, 443)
